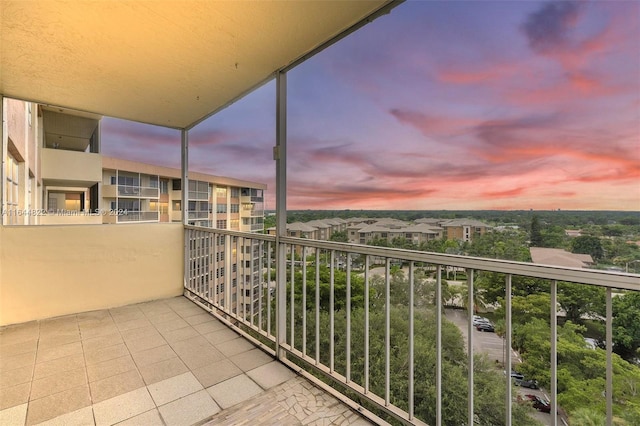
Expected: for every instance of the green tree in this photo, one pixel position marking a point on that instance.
(340, 236)
(587, 244)
(626, 325)
(535, 236)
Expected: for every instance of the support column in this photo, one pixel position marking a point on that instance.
(184, 203)
(280, 156)
(3, 171)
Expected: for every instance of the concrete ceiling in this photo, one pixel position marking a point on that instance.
(169, 63)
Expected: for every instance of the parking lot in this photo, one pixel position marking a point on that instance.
(494, 346)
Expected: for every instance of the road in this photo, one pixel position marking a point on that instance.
(494, 346)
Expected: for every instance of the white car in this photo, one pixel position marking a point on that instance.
(480, 320)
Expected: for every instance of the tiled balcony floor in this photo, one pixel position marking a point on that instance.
(166, 362)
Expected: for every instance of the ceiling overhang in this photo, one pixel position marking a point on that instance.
(168, 63)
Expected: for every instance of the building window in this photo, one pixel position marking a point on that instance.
(235, 192)
(176, 185)
(12, 185)
(235, 208)
(221, 192)
(164, 186)
(221, 208)
(221, 224)
(153, 181)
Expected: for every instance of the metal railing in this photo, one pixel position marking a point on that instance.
(138, 191)
(338, 315)
(135, 216)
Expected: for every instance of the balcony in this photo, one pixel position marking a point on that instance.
(163, 352)
(138, 191)
(133, 216)
(166, 360)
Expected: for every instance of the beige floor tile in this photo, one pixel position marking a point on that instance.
(128, 316)
(58, 404)
(14, 395)
(57, 383)
(235, 346)
(191, 409)
(113, 386)
(211, 326)
(101, 330)
(180, 334)
(162, 317)
(102, 341)
(164, 327)
(51, 353)
(220, 336)
(233, 391)
(110, 368)
(14, 415)
(189, 311)
(217, 372)
(123, 407)
(251, 359)
(58, 340)
(271, 374)
(162, 370)
(48, 368)
(81, 417)
(17, 361)
(202, 357)
(174, 388)
(16, 376)
(104, 354)
(146, 342)
(153, 355)
(19, 348)
(200, 318)
(136, 333)
(149, 418)
(133, 324)
(93, 316)
(19, 333)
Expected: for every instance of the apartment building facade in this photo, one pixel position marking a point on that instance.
(55, 174)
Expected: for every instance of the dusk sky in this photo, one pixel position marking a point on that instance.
(441, 105)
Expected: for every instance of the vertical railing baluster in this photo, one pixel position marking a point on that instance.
(411, 346)
(269, 248)
(387, 332)
(332, 313)
(609, 368)
(348, 313)
(260, 282)
(317, 306)
(240, 281)
(304, 301)
(366, 324)
(292, 297)
(252, 283)
(439, 345)
(507, 349)
(554, 352)
(470, 313)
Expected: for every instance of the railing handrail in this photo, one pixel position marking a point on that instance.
(607, 279)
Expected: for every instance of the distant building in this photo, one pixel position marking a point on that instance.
(559, 257)
(573, 233)
(463, 229)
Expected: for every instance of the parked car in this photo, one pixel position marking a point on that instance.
(539, 403)
(516, 375)
(485, 326)
(480, 320)
(531, 384)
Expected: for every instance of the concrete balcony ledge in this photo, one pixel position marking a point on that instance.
(165, 362)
